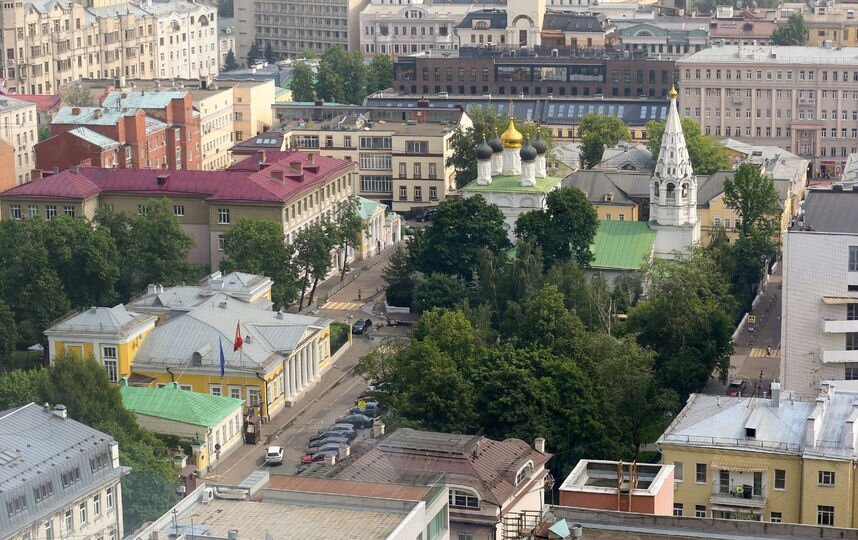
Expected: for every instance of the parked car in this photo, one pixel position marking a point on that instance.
(357, 420)
(274, 456)
(341, 427)
(361, 326)
(332, 446)
(427, 215)
(371, 409)
(315, 446)
(350, 435)
(319, 456)
(736, 387)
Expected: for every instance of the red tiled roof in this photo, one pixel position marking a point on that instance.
(234, 184)
(44, 103)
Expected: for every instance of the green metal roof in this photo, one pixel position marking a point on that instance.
(368, 207)
(622, 245)
(173, 403)
(512, 184)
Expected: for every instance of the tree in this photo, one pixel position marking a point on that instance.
(794, 33)
(333, 74)
(269, 53)
(347, 227)
(706, 153)
(754, 198)
(253, 54)
(44, 133)
(459, 231)
(259, 247)
(302, 83)
(565, 228)
(230, 63)
(312, 246)
(8, 332)
(399, 277)
(77, 95)
(21, 386)
(598, 131)
(439, 291)
(354, 85)
(380, 74)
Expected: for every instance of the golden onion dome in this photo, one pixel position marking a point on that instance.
(672, 93)
(511, 138)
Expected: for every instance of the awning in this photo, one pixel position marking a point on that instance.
(839, 300)
(739, 466)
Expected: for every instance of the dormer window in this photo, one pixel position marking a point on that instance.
(750, 433)
(481, 25)
(524, 473)
(463, 499)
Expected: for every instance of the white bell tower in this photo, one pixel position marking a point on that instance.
(673, 191)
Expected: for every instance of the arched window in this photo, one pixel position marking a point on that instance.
(655, 186)
(684, 191)
(464, 498)
(524, 473)
(670, 193)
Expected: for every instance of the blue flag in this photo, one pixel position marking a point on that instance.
(222, 358)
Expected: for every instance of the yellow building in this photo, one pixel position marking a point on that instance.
(830, 24)
(382, 229)
(112, 336)
(775, 459)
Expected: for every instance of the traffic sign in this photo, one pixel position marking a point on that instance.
(752, 319)
(362, 405)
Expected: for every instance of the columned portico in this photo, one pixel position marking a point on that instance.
(302, 370)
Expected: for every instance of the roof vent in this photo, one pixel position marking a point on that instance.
(60, 411)
(222, 305)
(162, 179)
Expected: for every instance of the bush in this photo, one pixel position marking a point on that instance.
(339, 336)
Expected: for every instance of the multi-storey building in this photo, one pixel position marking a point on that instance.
(590, 30)
(226, 39)
(801, 99)
(18, 135)
(518, 24)
(827, 22)
(410, 27)
(745, 27)
(159, 130)
(293, 188)
(292, 27)
(666, 36)
(820, 293)
(545, 73)
(66, 485)
(47, 44)
(780, 459)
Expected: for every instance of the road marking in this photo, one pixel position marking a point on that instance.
(342, 306)
(758, 352)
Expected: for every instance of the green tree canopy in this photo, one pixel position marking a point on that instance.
(795, 32)
(313, 245)
(459, 230)
(347, 226)
(302, 83)
(706, 154)
(8, 333)
(398, 274)
(342, 77)
(439, 291)
(230, 63)
(269, 53)
(77, 95)
(253, 54)
(565, 228)
(259, 247)
(596, 132)
(753, 196)
(380, 75)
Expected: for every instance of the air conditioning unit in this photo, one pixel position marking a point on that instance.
(208, 495)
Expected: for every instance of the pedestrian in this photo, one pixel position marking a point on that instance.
(359, 294)
(769, 350)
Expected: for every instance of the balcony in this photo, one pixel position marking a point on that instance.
(839, 357)
(737, 497)
(839, 326)
(806, 101)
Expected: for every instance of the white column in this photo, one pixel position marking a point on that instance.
(315, 359)
(293, 383)
(285, 376)
(303, 367)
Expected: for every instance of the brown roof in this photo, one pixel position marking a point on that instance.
(486, 465)
(306, 484)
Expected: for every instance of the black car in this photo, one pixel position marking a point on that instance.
(371, 409)
(357, 420)
(319, 446)
(361, 326)
(350, 435)
(427, 215)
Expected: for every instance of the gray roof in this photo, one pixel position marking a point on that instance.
(623, 185)
(574, 22)
(183, 298)
(496, 18)
(142, 100)
(9, 104)
(842, 57)
(38, 446)
(101, 320)
(627, 156)
(828, 210)
(93, 137)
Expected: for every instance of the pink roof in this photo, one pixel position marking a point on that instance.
(44, 102)
(234, 185)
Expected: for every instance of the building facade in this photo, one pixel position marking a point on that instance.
(827, 23)
(798, 98)
(514, 26)
(411, 27)
(67, 485)
(18, 135)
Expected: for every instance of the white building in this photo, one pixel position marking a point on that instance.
(519, 24)
(18, 135)
(673, 192)
(59, 478)
(186, 39)
(410, 26)
(820, 293)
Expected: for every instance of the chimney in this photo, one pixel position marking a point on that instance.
(75, 111)
(310, 156)
(151, 289)
(73, 169)
(776, 394)
(297, 165)
(97, 113)
(60, 411)
(260, 156)
(539, 445)
(277, 175)
(477, 450)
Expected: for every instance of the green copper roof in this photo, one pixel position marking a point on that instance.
(512, 184)
(622, 245)
(172, 403)
(367, 207)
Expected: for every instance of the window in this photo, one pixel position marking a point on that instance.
(96, 505)
(403, 193)
(235, 392)
(466, 536)
(51, 213)
(852, 341)
(780, 479)
(142, 210)
(110, 498)
(433, 193)
(700, 511)
(16, 505)
(69, 211)
(43, 491)
(463, 499)
(403, 170)
(677, 509)
(851, 372)
(418, 173)
(777, 517)
(223, 216)
(853, 258)
(826, 478)
(69, 520)
(433, 172)
(221, 243)
(418, 193)
(15, 211)
(253, 396)
(34, 210)
(111, 364)
(825, 515)
(215, 390)
(677, 471)
(438, 525)
(852, 312)
(49, 531)
(70, 477)
(100, 461)
(179, 210)
(82, 509)
(700, 473)
(416, 147)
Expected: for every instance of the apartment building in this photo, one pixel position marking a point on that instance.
(47, 44)
(405, 28)
(518, 24)
(129, 129)
(827, 22)
(543, 72)
(777, 459)
(226, 39)
(400, 164)
(591, 30)
(801, 99)
(665, 36)
(294, 188)
(66, 485)
(294, 26)
(18, 134)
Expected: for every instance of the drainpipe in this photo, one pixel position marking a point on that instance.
(172, 376)
(264, 396)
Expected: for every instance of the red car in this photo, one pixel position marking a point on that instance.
(736, 387)
(319, 456)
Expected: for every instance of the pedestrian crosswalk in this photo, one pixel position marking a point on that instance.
(343, 306)
(762, 352)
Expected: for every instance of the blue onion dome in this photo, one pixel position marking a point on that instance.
(483, 151)
(539, 143)
(527, 152)
(495, 143)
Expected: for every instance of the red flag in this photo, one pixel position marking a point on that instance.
(238, 341)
